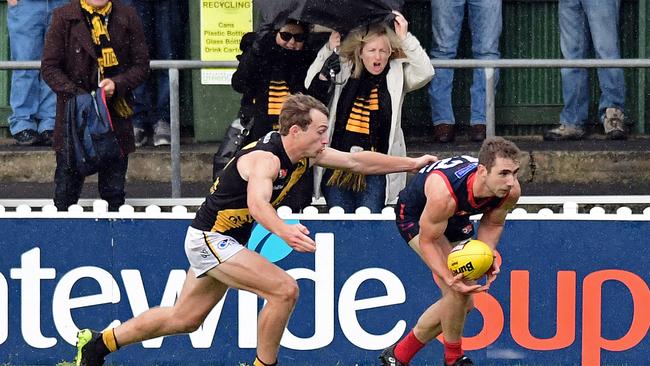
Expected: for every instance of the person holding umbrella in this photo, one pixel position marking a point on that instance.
(272, 66)
(379, 66)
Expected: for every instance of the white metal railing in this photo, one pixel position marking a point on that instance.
(489, 65)
(99, 209)
(540, 204)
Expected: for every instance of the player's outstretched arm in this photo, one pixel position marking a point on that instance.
(260, 169)
(369, 163)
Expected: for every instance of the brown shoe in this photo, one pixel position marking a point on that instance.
(477, 133)
(444, 133)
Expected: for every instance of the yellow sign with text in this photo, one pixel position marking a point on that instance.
(223, 23)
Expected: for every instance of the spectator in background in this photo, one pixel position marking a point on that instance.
(581, 20)
(272, 66)
(163, 22)
(270, 70)
(33, 103)
(446, 23)
(71, 64)
(380, 66)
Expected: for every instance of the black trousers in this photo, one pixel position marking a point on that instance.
(68, 183)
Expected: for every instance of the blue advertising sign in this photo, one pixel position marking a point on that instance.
(569, 292)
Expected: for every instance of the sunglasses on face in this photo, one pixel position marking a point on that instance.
(286, 36)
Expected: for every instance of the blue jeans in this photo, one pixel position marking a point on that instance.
(33, 103)
(163, 25)
(373, 197)
(446, 22)
(580, 19)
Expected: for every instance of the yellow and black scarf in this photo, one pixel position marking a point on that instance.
(363, 121)
(97, 21)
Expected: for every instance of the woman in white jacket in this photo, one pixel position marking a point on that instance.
(378, 67)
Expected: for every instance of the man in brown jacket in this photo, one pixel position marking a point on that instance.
(90, 44)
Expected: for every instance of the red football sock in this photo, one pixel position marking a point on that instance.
(407, 348)
(453, 351)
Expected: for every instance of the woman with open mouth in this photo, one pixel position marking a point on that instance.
(364, 84)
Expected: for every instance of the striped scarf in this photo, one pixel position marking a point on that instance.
(97, 20)
(363, 120)
(360, 128)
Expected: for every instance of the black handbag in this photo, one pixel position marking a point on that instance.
(90, 140)
(232, 142)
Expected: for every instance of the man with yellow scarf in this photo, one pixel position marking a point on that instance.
(91, 44)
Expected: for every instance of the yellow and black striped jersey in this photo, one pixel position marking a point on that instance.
(225, 210)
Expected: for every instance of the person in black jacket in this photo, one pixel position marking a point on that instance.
(270, 70)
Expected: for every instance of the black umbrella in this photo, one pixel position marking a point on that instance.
(340, 15)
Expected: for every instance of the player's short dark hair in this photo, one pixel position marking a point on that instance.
(497, 147)
(295, 111)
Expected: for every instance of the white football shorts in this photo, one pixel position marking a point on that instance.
(206, 250)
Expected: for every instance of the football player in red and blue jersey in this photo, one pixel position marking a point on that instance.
(433, 215)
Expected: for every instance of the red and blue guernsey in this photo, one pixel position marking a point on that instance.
(458, 172)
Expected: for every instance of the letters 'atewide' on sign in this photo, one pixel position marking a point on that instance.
(570, 296)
